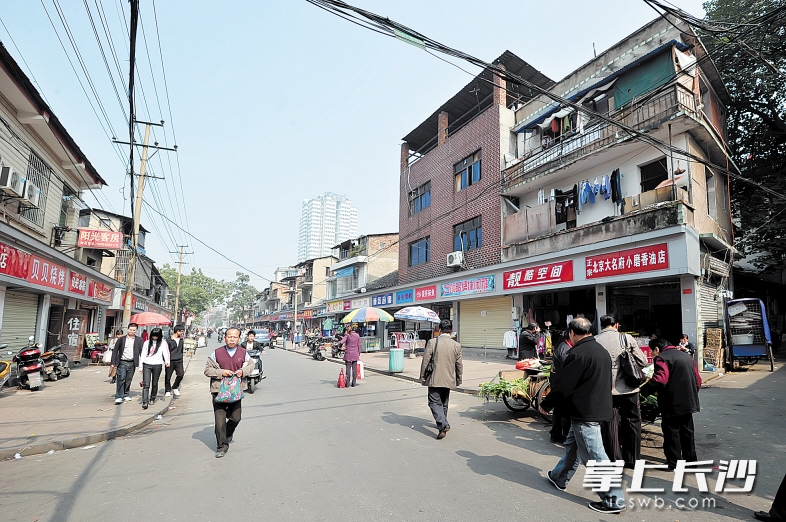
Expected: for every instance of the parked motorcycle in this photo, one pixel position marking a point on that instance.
(257, 374)
(29, 366)
(317, 350)
(5, 369)
(337, 349)
(55, 363)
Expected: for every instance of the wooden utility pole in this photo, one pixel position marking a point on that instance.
(179, 273)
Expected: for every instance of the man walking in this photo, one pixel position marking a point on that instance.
(175, 362)
(125, 358)
(583, 388)
(226, 361)
(621, 435)
(448, 369)
(679, 382)
(560, 423)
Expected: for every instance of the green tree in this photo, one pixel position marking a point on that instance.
(242, 297)
(752, 61)
(198, 292)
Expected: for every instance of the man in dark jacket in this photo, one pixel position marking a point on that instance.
(679, 382)
(125, 357)
(583, 388)
(560, 424)
(175, 342)
(528, 342)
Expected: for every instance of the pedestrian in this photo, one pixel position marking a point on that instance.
(560, 423)
(686, 346)
(448, 369)
(226, 361)
(155, 354)
(351, 342)
(528, 341)
(778, 508)
(678, 382)
(583, 388)
(175, 343)
(622, 434)
(145, 335)
(251, 344)
(110, 352)
(125, 359)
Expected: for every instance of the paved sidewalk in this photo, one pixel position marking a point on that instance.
(72, 412)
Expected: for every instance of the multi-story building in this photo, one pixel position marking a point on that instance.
(50, 287)
(324, 221)
(360, 262)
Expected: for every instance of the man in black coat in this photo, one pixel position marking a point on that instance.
(175, 342)
(528, 342)
(560, 424)
(583, 389)
(125, 357)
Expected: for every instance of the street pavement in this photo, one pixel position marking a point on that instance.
(307, 450)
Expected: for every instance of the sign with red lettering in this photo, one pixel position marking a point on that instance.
(77, 283)
(538, 275)
(99, 238)
(99, 291)
(426, 292)
(632, 261)
(13, 262)
(46, 273)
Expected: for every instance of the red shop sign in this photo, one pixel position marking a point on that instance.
(99, 291)
(13, 262)
(426, 292)
(632, 261)
(538, 275)
(46, 273)
(98, 238)
(77, 283)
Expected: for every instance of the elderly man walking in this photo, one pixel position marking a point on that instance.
(448, 368)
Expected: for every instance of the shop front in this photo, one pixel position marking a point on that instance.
(483, 318)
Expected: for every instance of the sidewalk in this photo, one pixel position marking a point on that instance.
(72, 412)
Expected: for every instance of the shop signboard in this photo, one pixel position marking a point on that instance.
(347, 305)
(91, 339)
(73, 332)
(335, 306)
(382, 300)
(99, 238)
(631, 261)
(308, 314)
(46, 273)
(538, 275)
(99, 291)
(77, 283)
(405, 296)
(426, 292)
(476, 285)
(360, 303)
(13, 262)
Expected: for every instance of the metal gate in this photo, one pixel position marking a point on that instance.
(708, 305)
(483, 322)
(19, 320)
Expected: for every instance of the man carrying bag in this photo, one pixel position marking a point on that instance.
(441, 370)
(227, 366)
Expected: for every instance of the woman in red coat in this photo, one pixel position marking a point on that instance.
(351, 355)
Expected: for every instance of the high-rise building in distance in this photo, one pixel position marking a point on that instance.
(325, 221)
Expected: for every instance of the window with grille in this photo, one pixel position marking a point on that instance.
(653, 174)
(39, 174)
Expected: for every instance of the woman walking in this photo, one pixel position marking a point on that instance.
(155, 354)
(351, 355)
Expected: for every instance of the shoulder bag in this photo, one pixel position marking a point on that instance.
(430, 366)
(231, 390)
(631, 371)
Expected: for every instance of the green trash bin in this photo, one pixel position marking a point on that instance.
(396, 361)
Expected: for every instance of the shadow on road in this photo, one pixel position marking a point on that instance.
(407, 421)
(207, 435)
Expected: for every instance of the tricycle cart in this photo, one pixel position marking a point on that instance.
(748, 332)
(520, 389)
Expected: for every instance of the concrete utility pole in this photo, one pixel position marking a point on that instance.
(179, 273)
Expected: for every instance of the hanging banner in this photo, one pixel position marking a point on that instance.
(477, 285)
(99, 238)
(538, 275)
(99, 291)
(632, 261)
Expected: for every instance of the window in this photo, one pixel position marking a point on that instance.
(420, 251)
(712, 205)
(39, 174)
(653, 174)
(420, 198)
(468, 235)
(66, 206)
(467, 171)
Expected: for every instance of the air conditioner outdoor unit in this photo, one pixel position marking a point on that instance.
(12, 181)
(32, 193)
(456, 258)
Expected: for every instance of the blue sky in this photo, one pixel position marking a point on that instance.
(276, 101)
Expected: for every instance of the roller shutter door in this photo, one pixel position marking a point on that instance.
(19, 319)
(472, 321)
(708, 311)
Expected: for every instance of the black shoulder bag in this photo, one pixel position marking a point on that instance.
(630, 369)
(430, 366)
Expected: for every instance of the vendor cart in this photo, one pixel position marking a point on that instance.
(747, 332)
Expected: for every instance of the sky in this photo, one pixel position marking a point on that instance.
(271, 102)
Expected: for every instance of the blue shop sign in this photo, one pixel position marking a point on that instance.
(405, 296)
(382, 300)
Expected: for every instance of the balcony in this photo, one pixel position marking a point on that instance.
(671, 103)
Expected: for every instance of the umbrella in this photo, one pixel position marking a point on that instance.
(149, 319)
(369, 314)
(417, 313)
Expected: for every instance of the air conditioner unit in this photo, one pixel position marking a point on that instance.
(456, 258)
(12, 181)
(32, 194)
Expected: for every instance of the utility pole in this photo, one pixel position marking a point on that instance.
(180, 249)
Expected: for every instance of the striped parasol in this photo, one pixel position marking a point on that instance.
(417, 313)
(369, 314)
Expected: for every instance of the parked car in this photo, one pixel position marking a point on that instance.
(262, 336)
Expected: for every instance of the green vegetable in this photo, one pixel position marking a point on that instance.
(502, 387)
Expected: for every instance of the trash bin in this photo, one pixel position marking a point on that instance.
(396, 361)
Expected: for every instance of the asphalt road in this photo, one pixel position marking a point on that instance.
(306, 450)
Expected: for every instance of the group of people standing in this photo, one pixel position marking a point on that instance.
(597, 409)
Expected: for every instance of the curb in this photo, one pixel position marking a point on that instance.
(80, 442)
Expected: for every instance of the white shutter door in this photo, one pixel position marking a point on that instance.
(708, 313)
(19, 320)
(491, 314)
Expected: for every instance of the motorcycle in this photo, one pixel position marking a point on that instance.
(337, 349)
(55, 363)
(257, 372)
(317, 350)
(29, 366)
(5, 369)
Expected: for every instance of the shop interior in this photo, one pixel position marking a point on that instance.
(558, 308)
(648, 309)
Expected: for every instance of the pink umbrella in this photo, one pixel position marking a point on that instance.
(149, 319)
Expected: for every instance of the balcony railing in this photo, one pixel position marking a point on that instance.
(641, 116)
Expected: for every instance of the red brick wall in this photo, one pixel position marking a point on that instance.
(448, 207)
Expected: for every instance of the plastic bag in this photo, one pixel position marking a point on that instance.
(231, 390)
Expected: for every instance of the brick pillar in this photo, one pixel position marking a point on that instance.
(404, 156)
(500, 96)
(442, 128)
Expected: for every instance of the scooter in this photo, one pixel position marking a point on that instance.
(55, 363)
(317, 350)
(5, 369)
(257, 374)
(337, 349)
(29, 366)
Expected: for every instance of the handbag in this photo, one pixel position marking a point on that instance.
(632, 373)
(231, 390)
(430, 366)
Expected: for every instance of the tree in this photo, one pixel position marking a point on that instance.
(752, 61)
(243, 296)
(198, 292)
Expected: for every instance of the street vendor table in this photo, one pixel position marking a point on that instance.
(369, 344)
